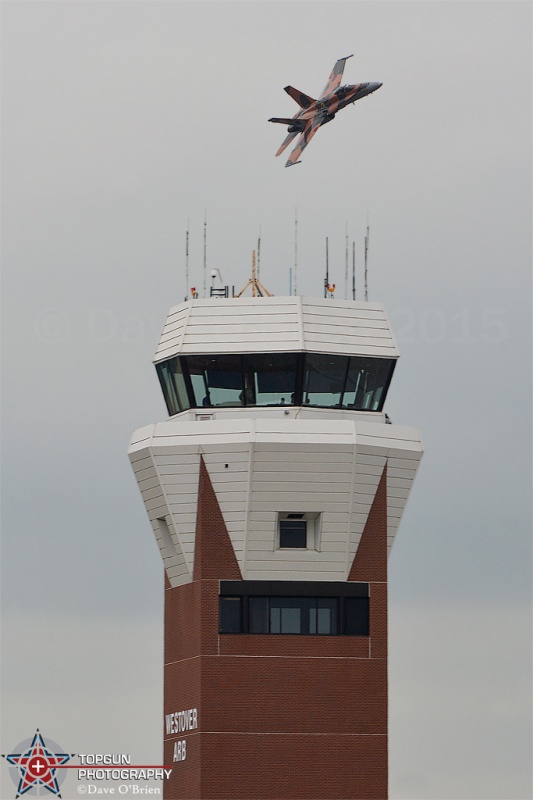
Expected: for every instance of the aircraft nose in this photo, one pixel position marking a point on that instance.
(374, 86)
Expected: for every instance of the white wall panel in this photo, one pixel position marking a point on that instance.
(403, 465)
(398, 483)
(231, 488)
(139, 460)
(153, 495)
(149, 483)
(364, 456)
(264, 456)
(341, 327)
(147, 470)
(261, 572)
(366, 478)
(240, 340)
(305, 482)
(138, 442)
(244, 314)
(181, 490)
(320, 483)
(276, 464)
(398, 491)
(401, 472)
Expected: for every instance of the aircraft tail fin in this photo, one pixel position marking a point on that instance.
(303, 100)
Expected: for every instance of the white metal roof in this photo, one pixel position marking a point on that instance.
(276, 324)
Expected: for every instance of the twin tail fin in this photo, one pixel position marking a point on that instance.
(303, 100)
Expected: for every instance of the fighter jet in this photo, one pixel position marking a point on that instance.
(315, 113)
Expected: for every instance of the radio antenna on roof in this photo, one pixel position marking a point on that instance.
(367, 242)
(187, 262)
(205, 253)
(353, 270)
(295, 291)
(326, 279)
(346, 264)
(257, 287)
(259, 253)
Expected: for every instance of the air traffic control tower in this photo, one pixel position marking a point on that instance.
(275, 490)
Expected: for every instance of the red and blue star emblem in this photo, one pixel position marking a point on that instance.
(37, 766)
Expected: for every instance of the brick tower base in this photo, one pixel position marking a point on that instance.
(273, 717)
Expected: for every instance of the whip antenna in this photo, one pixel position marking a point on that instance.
(346, 265)
(295, 249)
(367, 241)
(353, 270)
(205, 253)
(259, 254)
(187, 262)
(326, 279)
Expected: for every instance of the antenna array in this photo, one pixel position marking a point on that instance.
(293, 271)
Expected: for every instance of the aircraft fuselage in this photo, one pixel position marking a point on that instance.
(338, 99)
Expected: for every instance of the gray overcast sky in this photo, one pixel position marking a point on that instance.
(123, 120)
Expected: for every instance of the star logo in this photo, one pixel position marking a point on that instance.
(36, 766)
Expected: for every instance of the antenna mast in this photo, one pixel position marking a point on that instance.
(187, 262)
(295, 248)
(353, 270)
(257, 287)
(326, 279)
(367, 241)
(259, 254)
(205, 253)
(346, 265)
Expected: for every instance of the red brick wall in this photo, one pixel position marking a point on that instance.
(280, 717)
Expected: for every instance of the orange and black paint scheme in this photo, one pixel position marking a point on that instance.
(315, 113)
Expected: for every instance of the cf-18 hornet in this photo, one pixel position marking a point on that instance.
(315, 113)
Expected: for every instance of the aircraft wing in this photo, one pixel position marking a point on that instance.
(335, 78)
(286, 141)
(310, 129)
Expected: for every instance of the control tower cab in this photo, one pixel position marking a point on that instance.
(275, 489)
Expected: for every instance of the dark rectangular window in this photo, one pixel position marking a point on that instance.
(275, 607)
(307, 615)
(323, 618)
(356, 616)
(173, 384)
(367, 383)
(231, 615)
(289, 614)
(275, 379)
(258, 614)
(216, 380)
(271, 377)
(293, 533)
(324, 379)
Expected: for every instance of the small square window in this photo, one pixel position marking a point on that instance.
(297, 530)
(293, 533)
